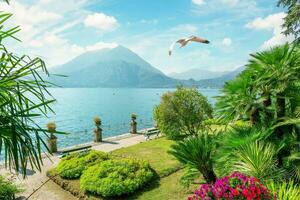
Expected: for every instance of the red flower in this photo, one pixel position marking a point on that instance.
(235, 192)
(245, 192)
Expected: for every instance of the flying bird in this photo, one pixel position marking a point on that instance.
(184, 42)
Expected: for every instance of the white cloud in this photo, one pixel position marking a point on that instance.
(101, 45)
(56, 50)
(199, 2)
(32, 19)
(101, 22)
(227, 41)
(44, 25)
(230, 2)
(272, 23)
(268, 23)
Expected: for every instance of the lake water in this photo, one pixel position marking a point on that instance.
(76, 107)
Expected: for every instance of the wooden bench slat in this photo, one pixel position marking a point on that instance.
(76, 149)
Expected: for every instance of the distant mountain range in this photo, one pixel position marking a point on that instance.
(220, 81)
(120, 67)
(196, 74)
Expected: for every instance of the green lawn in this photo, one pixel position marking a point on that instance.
(167, 187)
(155, 152)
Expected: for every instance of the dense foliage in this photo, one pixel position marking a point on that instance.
(116, 177)
(262, 109)
(73, 165)
(235, 186)
(267, 90)
(292, 20)
(23, 96)
(182, 112)
(8, 189)
(267, 94)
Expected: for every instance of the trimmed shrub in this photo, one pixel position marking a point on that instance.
(7, 189)
(72, 166)
(116, 177)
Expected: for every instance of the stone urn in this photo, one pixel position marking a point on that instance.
(98, 130)
(52, 140)
(133, 124)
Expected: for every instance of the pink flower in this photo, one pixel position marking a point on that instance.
(235, 186)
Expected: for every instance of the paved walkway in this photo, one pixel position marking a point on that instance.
(39, 187)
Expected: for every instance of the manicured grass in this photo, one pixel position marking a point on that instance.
(155, 152)
(168, 188)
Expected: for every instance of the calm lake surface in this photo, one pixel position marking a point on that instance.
(76, 107)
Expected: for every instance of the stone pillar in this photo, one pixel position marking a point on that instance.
(98, 130)
(52, 140)
(133, 124)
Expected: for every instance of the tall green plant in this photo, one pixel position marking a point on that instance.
(23, 96)
(230, 142)
(258, 159)
(196, 153)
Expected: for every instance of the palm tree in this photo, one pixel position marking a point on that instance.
(258, 159)
(23, 96)
(230, 142)
(239, 100)
(195, 152)
(267, 87)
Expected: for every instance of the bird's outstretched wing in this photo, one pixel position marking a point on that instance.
(171, 48)
(182, 42)
(198, 39)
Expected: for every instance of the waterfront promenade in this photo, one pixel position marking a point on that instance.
(39, 187)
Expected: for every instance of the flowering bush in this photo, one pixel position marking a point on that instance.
(235, 186)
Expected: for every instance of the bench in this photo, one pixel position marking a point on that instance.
(81, 148)
(152, 131)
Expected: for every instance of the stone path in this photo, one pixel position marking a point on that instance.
(39, 187)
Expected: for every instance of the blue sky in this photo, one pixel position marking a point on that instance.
(58, 31)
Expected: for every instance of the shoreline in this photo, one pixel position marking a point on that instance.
(35, 181)
(105, 140)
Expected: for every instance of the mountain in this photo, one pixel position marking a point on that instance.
(117, 67)
(220, 81)
(196, 74)
(120, 67)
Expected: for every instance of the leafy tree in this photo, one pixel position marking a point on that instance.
(195, 152)
(292, 20)
(182, 112)
(23, 96)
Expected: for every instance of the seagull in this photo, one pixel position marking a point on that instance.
(184, 42)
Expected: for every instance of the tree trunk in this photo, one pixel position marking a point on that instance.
(280, 105)
(268, 114)
(254, 116)
(268, 101)
(209, 176)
